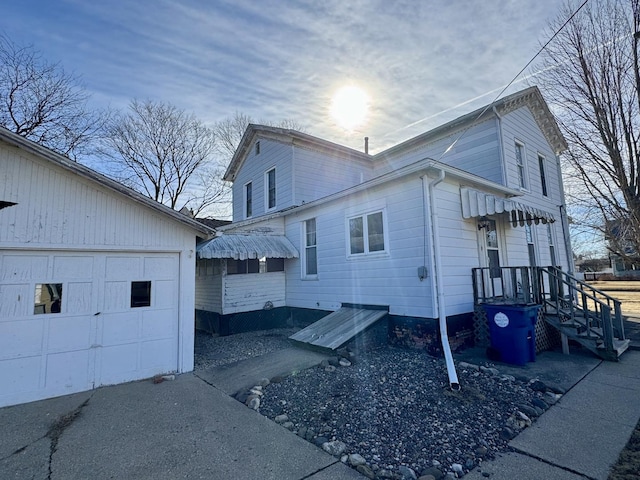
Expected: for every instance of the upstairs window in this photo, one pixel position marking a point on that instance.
(270, 180)
(248, 200)
(310, 248)
(543, 176)
(257, 148)
(520, 165)
(366, 234)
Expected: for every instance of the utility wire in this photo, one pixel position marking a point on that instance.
(512, 80)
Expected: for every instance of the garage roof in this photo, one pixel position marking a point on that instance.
(74, 167)
(242, 247)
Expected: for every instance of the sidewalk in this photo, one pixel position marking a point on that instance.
(583, 434)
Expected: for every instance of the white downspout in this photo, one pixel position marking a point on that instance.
(438, 280)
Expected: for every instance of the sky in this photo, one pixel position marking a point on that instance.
(411, 64)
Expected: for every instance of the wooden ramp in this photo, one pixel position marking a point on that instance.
(338, 327)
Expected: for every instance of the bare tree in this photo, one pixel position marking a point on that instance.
(166, 154)
(229, 132)
(43, 103)
(591, 77)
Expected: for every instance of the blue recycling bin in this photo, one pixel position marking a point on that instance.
(513, 332)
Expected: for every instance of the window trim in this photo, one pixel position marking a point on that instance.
(365, 231)
(521, 168)
(267, 190)
(247, 203)
(303, 263)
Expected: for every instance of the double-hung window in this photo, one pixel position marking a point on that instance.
(366, 234)
(521, 165)
(270, 181)
(543, 176)
(248, 200)
(310, 264)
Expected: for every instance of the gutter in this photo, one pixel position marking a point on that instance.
(438, 281)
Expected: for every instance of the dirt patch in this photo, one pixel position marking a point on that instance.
(628, 464)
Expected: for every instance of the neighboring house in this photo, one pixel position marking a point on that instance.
(620, 240)
(96, 280)
(318, 226)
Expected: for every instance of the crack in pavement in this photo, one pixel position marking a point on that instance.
(57, 429)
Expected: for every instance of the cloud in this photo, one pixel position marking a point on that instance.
(274, 60)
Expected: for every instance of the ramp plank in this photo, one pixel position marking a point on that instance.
(338, 327)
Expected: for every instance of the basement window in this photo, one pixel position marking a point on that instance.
(48, 298)
(140, 294)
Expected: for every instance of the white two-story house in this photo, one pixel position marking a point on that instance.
(318, 226)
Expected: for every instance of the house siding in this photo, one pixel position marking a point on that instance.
(244, 293)
(477, 152)
(318, 174)
(272, 154)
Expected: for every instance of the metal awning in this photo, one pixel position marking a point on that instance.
(479, 204)
(242, 247)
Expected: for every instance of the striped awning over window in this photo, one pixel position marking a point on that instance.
(480, 204)
(243, 247)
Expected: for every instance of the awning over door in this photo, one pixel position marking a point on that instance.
(243, 247)
(479, 204)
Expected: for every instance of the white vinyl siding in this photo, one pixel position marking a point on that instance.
(244, 293)
(273, 155)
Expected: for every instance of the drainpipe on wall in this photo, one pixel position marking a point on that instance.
(437, 279)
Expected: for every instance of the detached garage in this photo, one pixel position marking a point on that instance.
(96, 280)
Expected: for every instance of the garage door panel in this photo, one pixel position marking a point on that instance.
(123, 268)
(116, 296)
(22, 338)
(158, 355)
(69, 371)
(66, 266)
(120, 328)
(165, 293)
(79, 297)
(69, 333)
(118, 363)
(16, 268)
(160, 268)
(20, 375)
(159, 324)
(15, 300)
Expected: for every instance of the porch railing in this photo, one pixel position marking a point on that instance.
(596, 313)
(512, 285)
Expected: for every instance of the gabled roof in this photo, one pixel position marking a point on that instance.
(530, 97)
(87, 173)
(287, 136)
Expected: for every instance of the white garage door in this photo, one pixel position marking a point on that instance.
(72, 322)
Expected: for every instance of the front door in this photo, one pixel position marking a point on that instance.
(490, 257)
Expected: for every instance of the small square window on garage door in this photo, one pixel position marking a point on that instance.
(140, 294)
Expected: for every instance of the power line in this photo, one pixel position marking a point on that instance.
(484, 110)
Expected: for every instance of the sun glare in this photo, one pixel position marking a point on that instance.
(350, 107)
